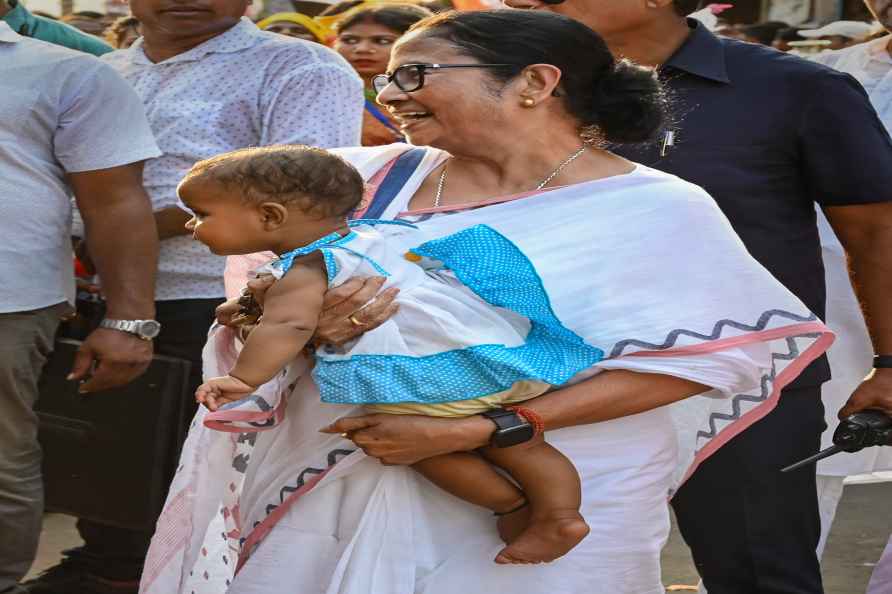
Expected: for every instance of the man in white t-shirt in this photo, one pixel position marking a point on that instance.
(62, 115)
(871, 64)
(211, 82)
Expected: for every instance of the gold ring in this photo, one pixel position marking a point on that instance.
(354, 321)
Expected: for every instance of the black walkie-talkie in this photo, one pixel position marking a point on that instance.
(861, 430)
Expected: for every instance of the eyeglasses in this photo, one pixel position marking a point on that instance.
(410, 77)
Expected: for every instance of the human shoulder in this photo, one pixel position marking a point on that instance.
(787, 77)
(287, 56)
(300, 291)
(370, 159)
(118, 58)
(843, 58)
(752, 61)
(59, 62)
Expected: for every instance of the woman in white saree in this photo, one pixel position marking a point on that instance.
(698, 341)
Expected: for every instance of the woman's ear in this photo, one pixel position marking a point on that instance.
(272, 215)
(539, 81)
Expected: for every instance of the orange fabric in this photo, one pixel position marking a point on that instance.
(470, 5)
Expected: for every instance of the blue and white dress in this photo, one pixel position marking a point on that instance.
(473, 321)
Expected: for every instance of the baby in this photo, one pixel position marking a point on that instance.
(444, 339)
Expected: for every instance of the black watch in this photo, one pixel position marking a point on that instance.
(511, 428)
(882, 362)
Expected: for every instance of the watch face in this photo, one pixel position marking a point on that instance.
(149, 329)
(512, 436)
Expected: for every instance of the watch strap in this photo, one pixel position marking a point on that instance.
(135, 327)
(503, 418)
(129, 326)
(882, 362)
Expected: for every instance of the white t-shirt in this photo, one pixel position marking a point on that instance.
(243, 88)
(61, 111)
(851, 355)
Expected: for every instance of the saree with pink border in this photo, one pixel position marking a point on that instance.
(642, 266)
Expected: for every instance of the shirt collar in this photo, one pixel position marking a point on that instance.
(243, 35)
(702, 54)
(17, 19)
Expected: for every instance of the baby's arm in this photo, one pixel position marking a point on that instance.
(290, 313)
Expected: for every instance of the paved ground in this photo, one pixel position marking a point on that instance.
(863, 526)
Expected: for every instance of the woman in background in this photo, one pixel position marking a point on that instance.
(365, 39)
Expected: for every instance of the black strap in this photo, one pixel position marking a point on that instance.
(393, 182)
(882, 361)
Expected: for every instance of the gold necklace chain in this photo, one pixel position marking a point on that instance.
(442, 181)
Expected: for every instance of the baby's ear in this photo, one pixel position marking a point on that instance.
(273, 215)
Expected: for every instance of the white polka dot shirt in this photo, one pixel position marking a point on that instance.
(242, 88)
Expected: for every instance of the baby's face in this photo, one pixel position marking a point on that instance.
(220, 219)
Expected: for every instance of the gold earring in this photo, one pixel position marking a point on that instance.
(528, 102)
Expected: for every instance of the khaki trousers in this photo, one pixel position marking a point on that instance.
(26, 340)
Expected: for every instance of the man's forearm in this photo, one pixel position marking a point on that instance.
(870, 266)
(124, 247)
(171, 222)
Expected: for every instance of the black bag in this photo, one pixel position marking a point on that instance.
(109, 456)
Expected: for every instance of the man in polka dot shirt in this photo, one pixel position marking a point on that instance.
(211, 82)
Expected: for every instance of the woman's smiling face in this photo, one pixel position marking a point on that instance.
(455, 107)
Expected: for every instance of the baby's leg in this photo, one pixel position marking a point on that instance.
(468, 476)
(551, 485)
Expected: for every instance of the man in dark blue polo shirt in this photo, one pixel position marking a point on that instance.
(768, 135)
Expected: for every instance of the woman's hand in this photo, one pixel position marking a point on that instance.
(355, 299)
(406, 439)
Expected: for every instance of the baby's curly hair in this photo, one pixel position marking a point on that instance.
(314, 181)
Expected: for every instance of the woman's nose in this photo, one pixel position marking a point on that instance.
(389, 94)
(364, 47)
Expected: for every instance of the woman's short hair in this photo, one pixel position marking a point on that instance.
(396, 17)
(618, 100)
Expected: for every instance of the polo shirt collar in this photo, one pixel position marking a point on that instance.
(702, 54)
(18, 18)
(243, 35)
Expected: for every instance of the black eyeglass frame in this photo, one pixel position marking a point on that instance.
(380, 81)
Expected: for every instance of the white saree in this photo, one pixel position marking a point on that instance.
(643, 266)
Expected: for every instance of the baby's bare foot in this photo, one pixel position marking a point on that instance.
(545, 539)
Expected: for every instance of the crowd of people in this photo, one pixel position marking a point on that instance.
(400, 245)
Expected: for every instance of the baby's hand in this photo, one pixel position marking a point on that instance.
(218, 391)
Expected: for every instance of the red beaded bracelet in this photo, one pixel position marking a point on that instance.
(532, 417)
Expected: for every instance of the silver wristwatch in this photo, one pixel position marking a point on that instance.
(145, 329)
